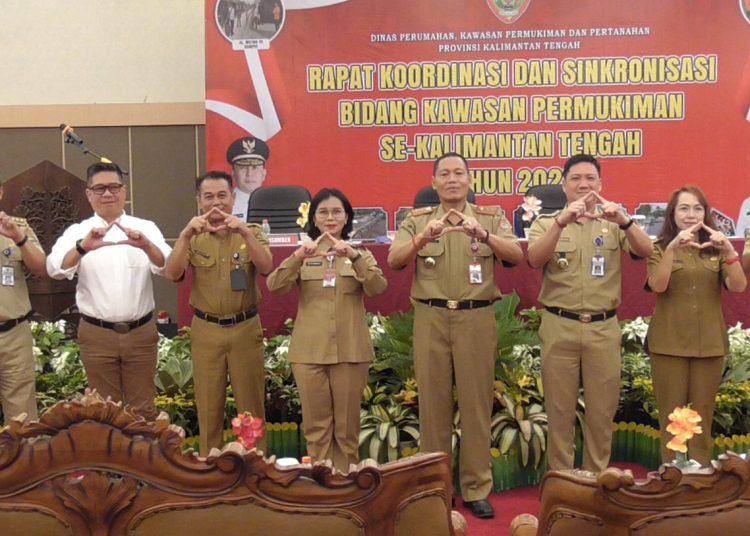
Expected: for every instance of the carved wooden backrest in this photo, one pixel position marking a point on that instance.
(51, 199)
(90, 467)
(710, 502)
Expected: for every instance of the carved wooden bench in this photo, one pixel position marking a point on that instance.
(89, 467)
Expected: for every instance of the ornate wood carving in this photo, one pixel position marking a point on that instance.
(51, 199)
(102, 470)
(617, 503)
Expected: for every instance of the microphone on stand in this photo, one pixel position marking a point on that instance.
(70, 135)
(73, 138)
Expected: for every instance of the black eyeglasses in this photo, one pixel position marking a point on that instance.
(113, 188)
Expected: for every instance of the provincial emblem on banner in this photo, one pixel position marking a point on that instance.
(508, 11)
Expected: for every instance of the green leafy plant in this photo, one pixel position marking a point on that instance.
(174, 374)
(521, 426)
(394, 350)
(59, 371)
(384, 427)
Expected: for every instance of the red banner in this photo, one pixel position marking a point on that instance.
(364, 94)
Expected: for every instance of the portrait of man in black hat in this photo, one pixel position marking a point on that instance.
(248, 157)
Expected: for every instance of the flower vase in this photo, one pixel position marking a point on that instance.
(685, 464)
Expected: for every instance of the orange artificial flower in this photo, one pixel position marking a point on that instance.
(683, 425)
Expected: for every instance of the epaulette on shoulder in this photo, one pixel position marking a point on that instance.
(18, 221)
(422, 211)
(488, 211)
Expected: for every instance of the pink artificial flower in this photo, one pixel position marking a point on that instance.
(531, 206)
(248, 429)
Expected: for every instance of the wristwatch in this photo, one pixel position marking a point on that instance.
(79, 247)
(626, 226)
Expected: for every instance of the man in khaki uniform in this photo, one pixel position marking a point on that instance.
(746, 252)
(455, 247)
(580, 251)
(19, 245)
(225, 253)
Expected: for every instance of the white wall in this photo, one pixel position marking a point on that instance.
(112, 58)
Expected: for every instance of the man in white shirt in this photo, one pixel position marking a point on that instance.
(114, 255)
(248, 157)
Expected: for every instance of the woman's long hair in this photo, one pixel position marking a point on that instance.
(670, 229)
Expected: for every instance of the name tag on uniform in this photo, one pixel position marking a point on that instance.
(329, 278)
(598, 266)
(475, 273)
(8, 276)
(238, 278)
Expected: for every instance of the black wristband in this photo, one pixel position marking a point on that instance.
(626, 226)
(486, 237)
(21, 243)
(79, 247)
(356, 257)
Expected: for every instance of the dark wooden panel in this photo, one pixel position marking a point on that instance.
(164, 170)
(23, 148)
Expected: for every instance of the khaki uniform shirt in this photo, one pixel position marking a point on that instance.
(213, 257)
(688, 320)
(331, 325)
(568, 282)
(442, 266)
(14, 300)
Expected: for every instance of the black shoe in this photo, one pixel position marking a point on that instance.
(481, 508)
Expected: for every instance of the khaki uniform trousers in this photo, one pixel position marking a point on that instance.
(17, 381)
(331, 396)
(237, 350)
(681, 380)
(573, 351)
(121, 365)
(458, 345)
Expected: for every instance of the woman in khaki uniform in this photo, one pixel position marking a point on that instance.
(331, 347)
(687, 337)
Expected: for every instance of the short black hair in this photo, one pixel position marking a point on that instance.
(448, 155)
(577, 159)
(312, 231)
(213, 175)
(93, 169)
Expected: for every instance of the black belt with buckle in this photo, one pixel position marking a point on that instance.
(10, 324)
(455, 305)
(582, 317)
(228, 321)
(118, 327)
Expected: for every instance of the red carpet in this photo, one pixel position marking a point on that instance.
(518, 501)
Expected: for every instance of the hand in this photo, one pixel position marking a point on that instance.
(342, 248)
(473, 229)
(307, 250)
(572, 212)
(234, 225)
(201, 224)
(610, 211)
(135, 238)
(686, 238)
(718, 240)
(95, 238)
(9, 229)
